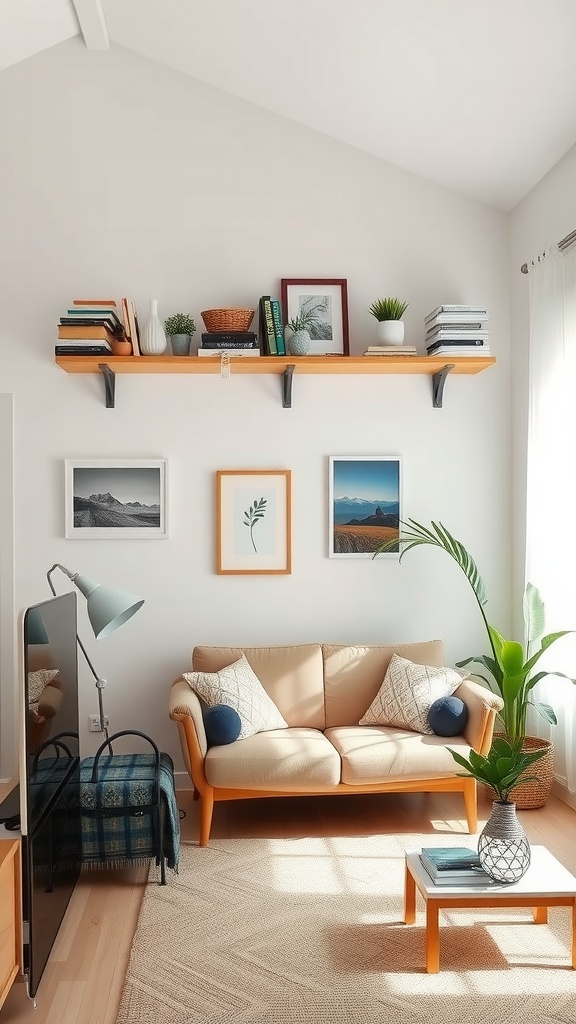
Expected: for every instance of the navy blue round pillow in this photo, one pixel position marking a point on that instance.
(447, 716)
(222, 724)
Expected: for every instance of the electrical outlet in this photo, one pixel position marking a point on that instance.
(94, 723)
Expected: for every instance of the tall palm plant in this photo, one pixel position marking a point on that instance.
(509, 665)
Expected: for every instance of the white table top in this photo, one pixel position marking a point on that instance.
(546, 876)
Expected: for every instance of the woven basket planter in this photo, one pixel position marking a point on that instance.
(227, 319)
(530, 795)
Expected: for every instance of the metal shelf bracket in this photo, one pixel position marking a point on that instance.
(109, 384)
(287, 386)
(438, 381)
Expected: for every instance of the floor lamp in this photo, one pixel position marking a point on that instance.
(107, 609)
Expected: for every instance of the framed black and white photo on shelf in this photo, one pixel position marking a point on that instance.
(116, 499)
(364, 498)
(326, 301)
(253, 522)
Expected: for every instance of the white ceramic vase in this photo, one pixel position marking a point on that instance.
(153, 341)
(390, 332)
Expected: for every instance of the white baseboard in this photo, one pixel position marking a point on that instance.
(564, 794)
(182, 782)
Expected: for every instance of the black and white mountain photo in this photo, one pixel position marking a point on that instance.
(125, 497)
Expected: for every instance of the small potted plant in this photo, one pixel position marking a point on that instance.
(299, 342)
(389, 313)
(503, 848)
(180, 329)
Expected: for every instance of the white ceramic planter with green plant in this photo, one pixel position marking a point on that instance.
(299, 341)
(390, 326)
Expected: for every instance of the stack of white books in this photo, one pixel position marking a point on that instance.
(457, 331)
(390, 350)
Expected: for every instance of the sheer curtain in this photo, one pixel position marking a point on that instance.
(551, 488)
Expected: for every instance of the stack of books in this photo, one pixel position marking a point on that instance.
(231, 343)
(90, 327)
(456, 865)
(457, 331)
(390, 350)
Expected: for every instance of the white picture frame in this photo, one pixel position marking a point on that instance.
(363, 489)
(116, 499)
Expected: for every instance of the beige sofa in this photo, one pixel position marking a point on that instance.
(322, 691)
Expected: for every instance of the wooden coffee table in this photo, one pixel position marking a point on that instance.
(547, 883)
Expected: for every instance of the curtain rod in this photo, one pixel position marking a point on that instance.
(564, 243)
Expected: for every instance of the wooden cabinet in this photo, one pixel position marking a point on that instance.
(287, 366)
(10, 914)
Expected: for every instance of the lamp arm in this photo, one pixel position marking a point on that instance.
(100, 683)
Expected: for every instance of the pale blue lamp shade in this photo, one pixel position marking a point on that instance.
(35, 628)
(107, 608)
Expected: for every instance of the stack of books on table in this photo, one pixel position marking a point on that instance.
(231, 343)
(457, 331)
(90, 327)
(456, 865)
(390, 350)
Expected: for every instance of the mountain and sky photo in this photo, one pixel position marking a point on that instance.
(116, 497)
(365, 504)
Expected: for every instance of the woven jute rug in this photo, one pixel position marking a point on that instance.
(287, 931)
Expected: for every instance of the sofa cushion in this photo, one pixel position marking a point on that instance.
(291, 675)
(407, 693)
(238, 686)
(353, 675)
(289, 760)
(373, 754)
(448, 716)
(222, 724)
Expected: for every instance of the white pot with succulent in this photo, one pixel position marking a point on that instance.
(390, 326)
(299, 341)
(180, 329)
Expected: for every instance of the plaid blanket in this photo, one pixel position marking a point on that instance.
(118, 810)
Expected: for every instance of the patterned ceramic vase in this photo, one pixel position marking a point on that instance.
(299, 343)
(503, 847)
(153, 342)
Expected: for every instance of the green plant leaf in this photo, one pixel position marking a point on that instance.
(545, 711)
(533, 610)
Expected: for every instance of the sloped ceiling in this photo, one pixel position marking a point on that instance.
(478, 95)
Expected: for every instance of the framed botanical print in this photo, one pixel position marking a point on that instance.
(253, 522)
(325, 303)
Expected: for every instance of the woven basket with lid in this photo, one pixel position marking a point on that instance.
(234, 319)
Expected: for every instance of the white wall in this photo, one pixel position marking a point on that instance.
(546, 215)
(121, 177)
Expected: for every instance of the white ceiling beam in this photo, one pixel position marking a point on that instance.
(92, 24)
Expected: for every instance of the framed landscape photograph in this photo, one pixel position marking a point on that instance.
(113, 499)
(327, 300)
(364, 504)
(253, 522)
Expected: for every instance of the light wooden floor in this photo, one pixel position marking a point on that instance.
(82, 982)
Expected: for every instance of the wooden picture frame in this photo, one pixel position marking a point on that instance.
(365, 504)
(328, 296)
(116, 499)
(253, 522)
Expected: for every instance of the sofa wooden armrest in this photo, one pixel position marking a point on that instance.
(483, 706)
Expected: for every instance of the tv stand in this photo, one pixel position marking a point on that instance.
(10, 914)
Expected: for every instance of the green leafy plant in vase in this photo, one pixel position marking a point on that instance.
(510, 665)
(180, 329)
(503, 847)
(299, 341)
(390, 327)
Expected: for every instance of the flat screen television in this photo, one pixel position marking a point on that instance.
(49, 776)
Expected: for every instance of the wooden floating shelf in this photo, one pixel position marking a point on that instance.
(433, 366)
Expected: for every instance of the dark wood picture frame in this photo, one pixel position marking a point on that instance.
(294, 289)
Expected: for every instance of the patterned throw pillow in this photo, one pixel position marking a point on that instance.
(238, 686)
(37, 683)
(408, 692)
